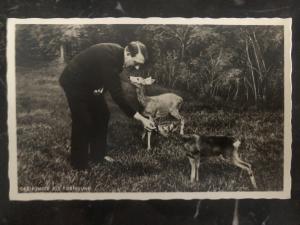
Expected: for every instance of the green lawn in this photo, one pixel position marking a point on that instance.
(43, 128)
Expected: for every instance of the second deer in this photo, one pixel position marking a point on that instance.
(159, 106)
(201, 147)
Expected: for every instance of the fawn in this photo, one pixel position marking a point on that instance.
(158, 106)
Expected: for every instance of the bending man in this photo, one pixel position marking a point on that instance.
(84, 80)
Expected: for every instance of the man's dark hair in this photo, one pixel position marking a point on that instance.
(133, 49)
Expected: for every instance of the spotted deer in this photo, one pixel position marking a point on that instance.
(159, 106)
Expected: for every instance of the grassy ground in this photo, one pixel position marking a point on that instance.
(43, 128)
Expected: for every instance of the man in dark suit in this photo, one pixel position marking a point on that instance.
(84, 80)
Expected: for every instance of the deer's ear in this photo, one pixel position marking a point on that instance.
(147, 81)
(152, 81)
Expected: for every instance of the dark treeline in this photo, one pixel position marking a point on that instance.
(242, 64)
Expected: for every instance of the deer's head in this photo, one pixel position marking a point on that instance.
(139, 81)
(191, 145)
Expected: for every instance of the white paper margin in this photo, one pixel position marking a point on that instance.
(12, 128)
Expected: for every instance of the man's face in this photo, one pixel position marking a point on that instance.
(133, 61)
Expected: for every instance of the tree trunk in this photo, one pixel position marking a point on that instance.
(247, 92)
(259, 67)
(182, 51)
(252, 73)
(62, 55)
(264, 69)
(237, 90)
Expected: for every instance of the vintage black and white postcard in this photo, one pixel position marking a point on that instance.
(149, 108)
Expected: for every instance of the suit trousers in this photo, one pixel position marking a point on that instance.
(90, 117)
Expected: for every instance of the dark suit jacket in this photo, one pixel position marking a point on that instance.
(97, 67)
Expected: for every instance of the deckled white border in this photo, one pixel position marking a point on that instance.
(15, 195)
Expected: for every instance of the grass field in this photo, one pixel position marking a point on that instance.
(43, 131)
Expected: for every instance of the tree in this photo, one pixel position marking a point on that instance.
(259, 46)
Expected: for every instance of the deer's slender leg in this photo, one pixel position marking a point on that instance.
(244, 167)
(237, 158)
(149, 135)
(182, 126)
(144, 134)
(193, 169)
(253, 181)
(176, 115)
(197, 162)
(149, 140)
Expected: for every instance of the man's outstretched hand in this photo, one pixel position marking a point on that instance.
(148, 124)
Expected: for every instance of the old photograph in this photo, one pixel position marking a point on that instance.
(149, 108)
